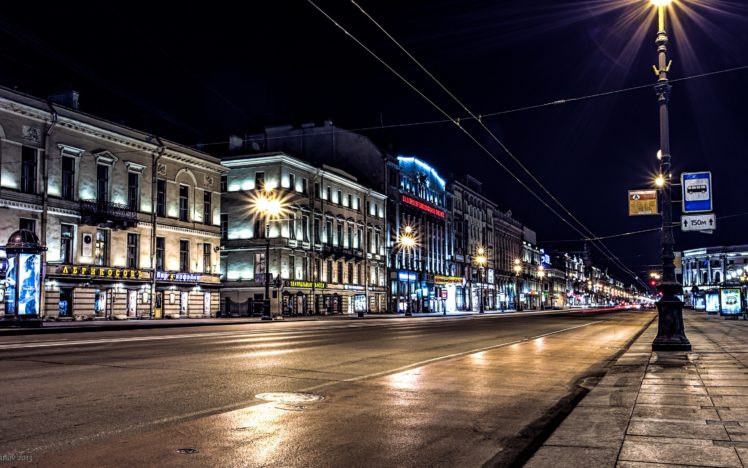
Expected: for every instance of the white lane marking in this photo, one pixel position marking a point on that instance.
(254, 402)
(442, 358)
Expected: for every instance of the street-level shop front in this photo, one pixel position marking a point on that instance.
(87, 292)
(186, 295)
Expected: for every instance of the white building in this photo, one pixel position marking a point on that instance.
(327, 252)
(130, 222)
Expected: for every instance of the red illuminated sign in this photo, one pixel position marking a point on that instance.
(422, 206)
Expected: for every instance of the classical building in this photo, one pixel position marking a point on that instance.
(708, 269)
(474, 229)
(327, 248)
(508, 247)
(130, 223)
(421, 280)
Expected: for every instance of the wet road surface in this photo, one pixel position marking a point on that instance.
(458, 391)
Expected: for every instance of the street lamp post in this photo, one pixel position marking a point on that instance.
(266, 203)
(541, 275)
(517, 270)
(480, 260)
(671, 335)
(407, 241)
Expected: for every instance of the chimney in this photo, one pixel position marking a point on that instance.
(67, 98)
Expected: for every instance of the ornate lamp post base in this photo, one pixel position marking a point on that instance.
(671, 335)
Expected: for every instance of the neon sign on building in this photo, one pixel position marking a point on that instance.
(422, 206)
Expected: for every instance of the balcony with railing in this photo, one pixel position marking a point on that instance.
(107, 214)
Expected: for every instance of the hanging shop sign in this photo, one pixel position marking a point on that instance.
(89, 271)
(438, 279)
(305, 284)
(422, 206)
(178, 277)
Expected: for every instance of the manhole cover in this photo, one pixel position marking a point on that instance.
(289, 397)
(187, 451)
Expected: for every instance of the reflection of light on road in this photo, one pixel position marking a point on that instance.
(269, 353)
(407, 380)
(259, 424)
(539, 343)
(478, 358)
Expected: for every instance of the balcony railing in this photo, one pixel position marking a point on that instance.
(108, 214)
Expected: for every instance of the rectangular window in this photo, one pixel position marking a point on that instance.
(161, 197)
(350, 201)
(184, 202)
(133, 247)
(67, 232)
(358, 203)
(133, 191)
(207, 257)
(304, 269)
(303, 185)
(329, 194)
(317, 272)
(339, 240)
(68, 178)
(102, 183)
(350, 273)
(291, 267)
(339, 275)
(28, 170)
(101, 255)
(305, 227)
(328, 232)
(361, 273)
(340, 197)
(376, 243)
(350, 237)
(259, 265)
(27, 224)
(160, 252)
(317, 190)
(292, 227)
(207, 207)
(292, 182)
(329, 271)
(259, 180)
(224, 226)
(184, 255)
(316, 231)
(224, 182)
(359, 239)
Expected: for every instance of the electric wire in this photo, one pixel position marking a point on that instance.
(601, 247)
(466, 118)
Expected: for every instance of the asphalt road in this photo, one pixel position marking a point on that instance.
(457, 391)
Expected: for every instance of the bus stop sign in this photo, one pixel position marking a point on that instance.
(697, 192)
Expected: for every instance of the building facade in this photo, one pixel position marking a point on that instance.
(327, 250)
(473, 230)
(130, 223)
(708, 269)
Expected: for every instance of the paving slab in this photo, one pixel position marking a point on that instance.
(572, 457)
(688, 413)
(679, 454)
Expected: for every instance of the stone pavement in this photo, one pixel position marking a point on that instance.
(656, 409)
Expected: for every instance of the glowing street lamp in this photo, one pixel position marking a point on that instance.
(407, 241)
(541, 275)
(480, 260)
(517, 270)
(671, 335)
(266, 203)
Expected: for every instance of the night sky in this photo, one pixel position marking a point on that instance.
(199, 75)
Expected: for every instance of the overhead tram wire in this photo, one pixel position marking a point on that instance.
(633, 233)
(454, 121)
(601, 247)
(556, 102)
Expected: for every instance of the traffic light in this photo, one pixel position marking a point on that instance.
(653, 282)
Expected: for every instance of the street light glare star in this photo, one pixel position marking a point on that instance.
(660, 181)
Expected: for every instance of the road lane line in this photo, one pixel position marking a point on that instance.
(442, 358)
(254, 402)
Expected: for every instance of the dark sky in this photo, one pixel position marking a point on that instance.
(199, 74)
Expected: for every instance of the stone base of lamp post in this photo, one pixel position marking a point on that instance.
(671, 335)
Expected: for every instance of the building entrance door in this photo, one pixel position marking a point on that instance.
(158, 309)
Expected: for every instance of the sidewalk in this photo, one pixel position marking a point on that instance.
(663, 409)
(135, 324)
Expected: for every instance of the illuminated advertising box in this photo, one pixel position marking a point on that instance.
(730, 301)
(712, 303)
(28, 288)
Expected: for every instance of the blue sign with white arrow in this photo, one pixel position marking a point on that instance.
(697, 192)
